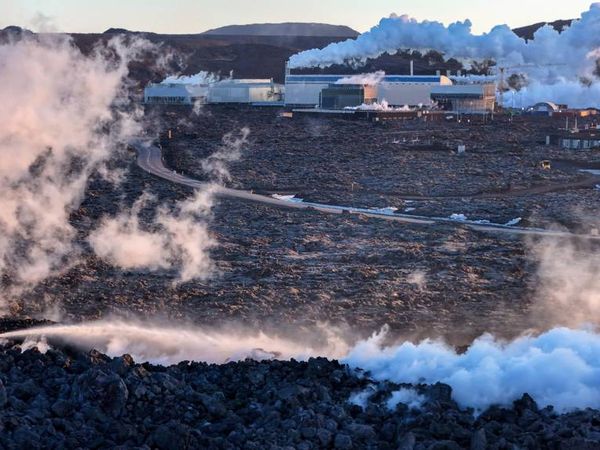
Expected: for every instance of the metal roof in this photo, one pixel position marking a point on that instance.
(387, 79)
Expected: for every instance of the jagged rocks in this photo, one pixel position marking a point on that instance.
(73, 400)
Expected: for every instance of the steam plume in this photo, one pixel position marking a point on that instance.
(575, 50)
(176, 238)
(60, 124)
(181, 238)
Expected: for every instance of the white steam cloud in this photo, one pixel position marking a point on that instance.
(171, 345)
(563, 66)
(201, 78)
(216, 165)
(364, 78)
(176, 238)
(61, 122)
(180, 240)
(559, 367)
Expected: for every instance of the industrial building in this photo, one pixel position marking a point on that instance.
(340, 96)
(304, 91)
(576, 140)
(466, 98)
(245, 91)
(225, 91)
(175, 93)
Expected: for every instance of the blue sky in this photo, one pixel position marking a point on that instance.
(193, 16)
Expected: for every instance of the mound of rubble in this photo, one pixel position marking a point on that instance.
(68, 399)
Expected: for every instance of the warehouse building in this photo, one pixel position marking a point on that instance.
(175, 93)
(304, 91)
(340, 96)
(225, 91)
(466, 98)
(245, 91)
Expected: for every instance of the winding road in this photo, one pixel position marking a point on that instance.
(149, 158)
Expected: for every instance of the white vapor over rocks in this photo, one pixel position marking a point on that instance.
(568, 283)
(409, 397)
(61, 120)
(179, 238)
(176, 238)
(171, 345)
(559, 368)
(561, 65)
(231, 150)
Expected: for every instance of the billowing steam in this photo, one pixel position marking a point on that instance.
(201, 78)
(561, 67)
(492, 372)
(61, 122)
(231, 150)
(175, 238)
(558, 368)
(363, 79)
(568, 283)
(180, 239)
(171, 345)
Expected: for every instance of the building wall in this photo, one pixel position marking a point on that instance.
(397, 90)
(401, 94)
(174, 93)
(303, 93)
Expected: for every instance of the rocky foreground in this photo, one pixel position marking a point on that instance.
(69, 399)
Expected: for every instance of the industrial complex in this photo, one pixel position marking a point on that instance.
(377, 96)
(335, 92)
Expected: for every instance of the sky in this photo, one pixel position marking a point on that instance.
(195, 16)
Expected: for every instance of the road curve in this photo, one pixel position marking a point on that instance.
(149, 158)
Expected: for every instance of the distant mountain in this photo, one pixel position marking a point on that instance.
(528, 31)
(285, 29)
(13, 32)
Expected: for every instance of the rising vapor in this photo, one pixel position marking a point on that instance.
(62, 120)
(561, 66)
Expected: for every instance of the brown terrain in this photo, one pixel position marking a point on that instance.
(300, 268)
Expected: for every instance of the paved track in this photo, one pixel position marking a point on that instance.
(149, 158)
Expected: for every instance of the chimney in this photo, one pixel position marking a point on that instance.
(412, 68)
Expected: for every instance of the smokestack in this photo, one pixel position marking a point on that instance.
(287, 69)
(412, 68)
(438, 73)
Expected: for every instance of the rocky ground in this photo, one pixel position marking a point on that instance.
(296, 269)
(410, 164)
(290, 271)
(67, 399)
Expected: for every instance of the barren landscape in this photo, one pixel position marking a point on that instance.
(302, 268)
(199, 264)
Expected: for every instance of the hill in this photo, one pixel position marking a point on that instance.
(285, 29)
(528, 31)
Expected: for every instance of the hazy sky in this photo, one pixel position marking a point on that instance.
(193, 16)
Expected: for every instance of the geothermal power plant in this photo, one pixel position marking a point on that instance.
(336, 92)
(298, 236)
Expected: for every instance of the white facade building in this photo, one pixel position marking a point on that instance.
(245, 91)
(175, 93)
(396, 90)
(225, 91)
